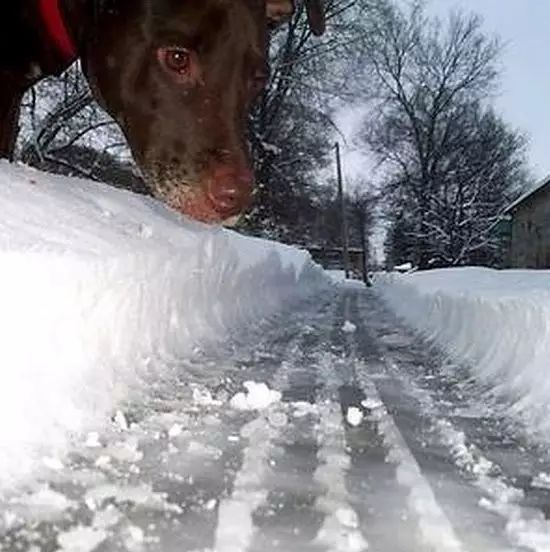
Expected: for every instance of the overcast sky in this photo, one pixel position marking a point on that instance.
(524, 101)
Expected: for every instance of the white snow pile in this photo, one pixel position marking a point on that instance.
(498, 322)
(101, 291)
(258, 396)
(349, 327)
(354, 416)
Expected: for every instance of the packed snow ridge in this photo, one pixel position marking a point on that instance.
(101, 292)
(496, 322)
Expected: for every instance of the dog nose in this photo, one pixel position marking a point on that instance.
(229, 190)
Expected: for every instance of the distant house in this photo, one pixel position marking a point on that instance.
(530, 228)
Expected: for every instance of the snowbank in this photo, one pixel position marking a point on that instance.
(498, 322)
(101, 291)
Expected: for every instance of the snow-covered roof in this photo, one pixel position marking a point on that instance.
(534, 190)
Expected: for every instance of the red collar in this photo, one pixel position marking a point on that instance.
(56, 29)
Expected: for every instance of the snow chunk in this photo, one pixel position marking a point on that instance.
(354, 416)
(542, 481)
(258, 396)
(347, 517)
(349, 327)
(134, 538)
(92, 440)
(52, 463)
(271, 148)
(120, 420)
(372, 404)
(83, 539)
(304, 408)
(175, 431)
(102, 461)
(211, 505)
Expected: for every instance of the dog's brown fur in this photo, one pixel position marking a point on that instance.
(179, 76)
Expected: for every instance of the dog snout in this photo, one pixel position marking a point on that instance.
(229, 190)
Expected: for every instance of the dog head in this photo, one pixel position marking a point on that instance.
(180, 76)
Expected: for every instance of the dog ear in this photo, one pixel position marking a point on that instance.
(316, 16)
(279, 11)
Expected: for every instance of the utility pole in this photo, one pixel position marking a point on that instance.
(344, 220)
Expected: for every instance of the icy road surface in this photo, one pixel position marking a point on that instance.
(360, 439)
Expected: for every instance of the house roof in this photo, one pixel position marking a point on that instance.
(533, 191)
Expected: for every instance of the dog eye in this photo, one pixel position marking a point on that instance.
(176, 61)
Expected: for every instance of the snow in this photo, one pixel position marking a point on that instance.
(495, 322)
(338, 276)
(405, 267)
(371, 403)
(349, 327)
(354, 416)
(339, 531)
(258, 396)
(436, 530)
(104, 292)
(531, 192)
(83, 539)
(541, 480)
(236, 527)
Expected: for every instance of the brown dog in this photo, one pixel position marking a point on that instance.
(179, 76)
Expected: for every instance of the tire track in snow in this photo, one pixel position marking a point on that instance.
(436, 530)
(379, 500)
(236, 526)
(245, 452)
(288, 520)
(525, 527)
(340, 531)
(323, 492)
(194, 480)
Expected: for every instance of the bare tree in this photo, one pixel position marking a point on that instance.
(445, 149)
(291, 128)
(60, 120)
